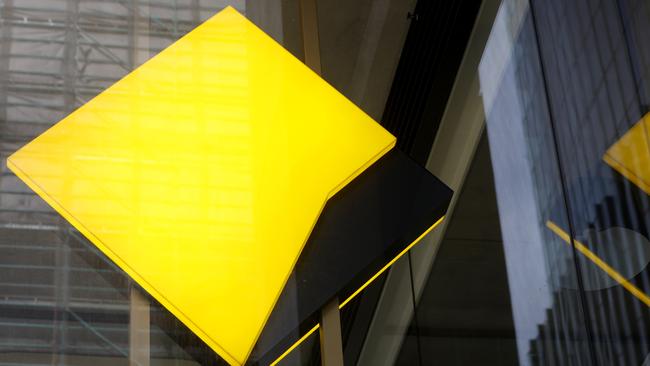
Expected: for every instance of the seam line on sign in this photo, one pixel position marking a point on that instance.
(295, 345)
(355, 293)
(383, 269)
(360, 170)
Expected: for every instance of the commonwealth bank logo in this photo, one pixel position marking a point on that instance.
(223, 169)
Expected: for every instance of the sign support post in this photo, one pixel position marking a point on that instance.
(331, 342)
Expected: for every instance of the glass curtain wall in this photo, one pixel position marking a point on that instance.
(565, 89)
(558, 193)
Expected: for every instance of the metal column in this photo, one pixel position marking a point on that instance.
(331, 342)
(139, 328)
(139, 314)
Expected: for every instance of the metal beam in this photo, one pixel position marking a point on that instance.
(331, 345)
(311, 40)
(139, 329)
(331, 342)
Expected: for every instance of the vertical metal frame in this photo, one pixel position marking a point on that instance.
(331, 342)
(139, 305)
(139, 329)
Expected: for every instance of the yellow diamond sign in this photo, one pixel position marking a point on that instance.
(630, 155)
(202, 173)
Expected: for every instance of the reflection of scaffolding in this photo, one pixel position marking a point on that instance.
(58, 296)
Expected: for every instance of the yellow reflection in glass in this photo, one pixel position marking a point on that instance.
(202, 173)
(630, 155)
(614, 274)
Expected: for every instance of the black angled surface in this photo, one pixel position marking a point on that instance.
(426, 72)
(360, 229)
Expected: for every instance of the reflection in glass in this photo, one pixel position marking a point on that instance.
(564, 95)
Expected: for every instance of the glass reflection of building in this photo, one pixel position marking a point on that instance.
(570, 85)
(544, 257)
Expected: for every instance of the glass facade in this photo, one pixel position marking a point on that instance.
(563, 82)
(543, 259)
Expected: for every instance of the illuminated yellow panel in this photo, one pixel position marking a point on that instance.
(202, 173)
(630, 155)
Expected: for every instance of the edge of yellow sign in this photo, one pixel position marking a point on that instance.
(630, 154)
(149, 288)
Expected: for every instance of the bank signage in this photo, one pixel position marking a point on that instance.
(222, 170)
